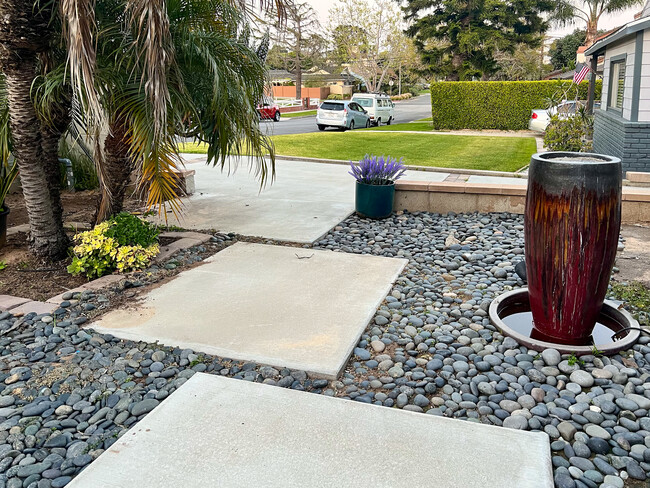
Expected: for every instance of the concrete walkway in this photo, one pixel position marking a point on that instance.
(226, 433)
(283, 306)
(304, 202)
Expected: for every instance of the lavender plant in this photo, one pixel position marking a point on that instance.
(377, 170)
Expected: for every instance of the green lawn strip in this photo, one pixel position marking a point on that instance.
(448, 151)
(193, 148)
(291, 115)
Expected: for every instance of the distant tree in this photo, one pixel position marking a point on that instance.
(293, 40)
(341, 36)
(458, 39)
(563, 51)
(368, 35)
(568, 12)
(524, 64)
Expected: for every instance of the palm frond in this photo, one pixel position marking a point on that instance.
(79, 33)
(149, 22)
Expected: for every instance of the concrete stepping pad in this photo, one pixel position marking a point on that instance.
(7, 302)
(283, 306)
(216, 431)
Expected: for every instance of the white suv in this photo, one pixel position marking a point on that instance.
(379, 106)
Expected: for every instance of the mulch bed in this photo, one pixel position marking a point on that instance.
(30, 277)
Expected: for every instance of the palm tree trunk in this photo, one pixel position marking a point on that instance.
(50, 139)
(47, 237)
(118, 167)
(592, 32)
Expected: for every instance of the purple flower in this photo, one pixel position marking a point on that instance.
(377, 170)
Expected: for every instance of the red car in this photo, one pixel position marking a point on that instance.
(268, 111)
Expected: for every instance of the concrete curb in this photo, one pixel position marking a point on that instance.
(432, 169)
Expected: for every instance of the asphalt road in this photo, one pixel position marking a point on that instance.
(405, 111)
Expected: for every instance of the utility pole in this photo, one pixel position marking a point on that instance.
(399, 92)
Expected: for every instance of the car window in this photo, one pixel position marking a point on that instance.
(331, 106)
(364, 102)
(567, 108)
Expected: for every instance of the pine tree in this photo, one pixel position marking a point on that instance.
(457, 39)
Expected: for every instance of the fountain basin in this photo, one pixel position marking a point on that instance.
(615, 330)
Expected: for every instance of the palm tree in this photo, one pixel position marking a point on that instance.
(150, 105)
(25, 34)
(165, 69)
(212, 73)
(590, 12)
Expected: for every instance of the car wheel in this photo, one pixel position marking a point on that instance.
(367, 123)
(378, 122)
(276, 117)
(321, 127)
(389, 121)
(351, 125)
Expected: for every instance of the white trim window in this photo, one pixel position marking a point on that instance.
(617, 84)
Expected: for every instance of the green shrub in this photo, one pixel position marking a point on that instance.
(129, 230)
(569, 134)
(117, 244)
(504, 105)
(334, 96)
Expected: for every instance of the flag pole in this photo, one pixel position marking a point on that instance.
(592, 84)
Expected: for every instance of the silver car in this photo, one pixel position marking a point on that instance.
(343, 114)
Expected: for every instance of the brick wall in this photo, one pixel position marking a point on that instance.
(617, 137)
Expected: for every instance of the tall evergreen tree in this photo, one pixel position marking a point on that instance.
(458, 38)
(563, 51)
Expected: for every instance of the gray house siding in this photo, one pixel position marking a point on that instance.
(625, 133)
(629, 141)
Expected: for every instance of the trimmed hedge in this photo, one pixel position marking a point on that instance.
(504, 105)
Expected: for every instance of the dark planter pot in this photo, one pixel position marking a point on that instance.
(374, 201)
(572, 222)
(3, 225)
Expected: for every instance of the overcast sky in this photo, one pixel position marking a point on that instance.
(606, 21)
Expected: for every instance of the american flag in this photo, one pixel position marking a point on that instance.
(579, 75)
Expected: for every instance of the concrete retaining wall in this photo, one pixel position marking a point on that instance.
(459, 197)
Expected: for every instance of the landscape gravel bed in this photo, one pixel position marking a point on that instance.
(67, 393)
(433, 349)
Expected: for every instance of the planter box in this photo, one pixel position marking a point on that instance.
(374, 201)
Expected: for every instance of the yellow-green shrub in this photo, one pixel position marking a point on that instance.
(96, 254)
(504, 105)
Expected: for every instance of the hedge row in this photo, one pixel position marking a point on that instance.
(504, 105)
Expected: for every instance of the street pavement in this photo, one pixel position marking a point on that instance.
(405, 111)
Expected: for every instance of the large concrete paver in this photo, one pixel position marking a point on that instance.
(226, 433)
(284, 306)
(303, 203)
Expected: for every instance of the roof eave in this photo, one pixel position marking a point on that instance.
(627, 30)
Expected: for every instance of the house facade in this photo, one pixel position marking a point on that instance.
(622, 124)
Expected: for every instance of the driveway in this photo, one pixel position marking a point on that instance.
(303, 203)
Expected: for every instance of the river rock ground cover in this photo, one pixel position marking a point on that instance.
(67, 393)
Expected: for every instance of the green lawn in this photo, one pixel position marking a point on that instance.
(193, 148)
(423, 126)
(448, 151)
(304, 113)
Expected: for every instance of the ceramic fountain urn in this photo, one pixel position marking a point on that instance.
(572, 223)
